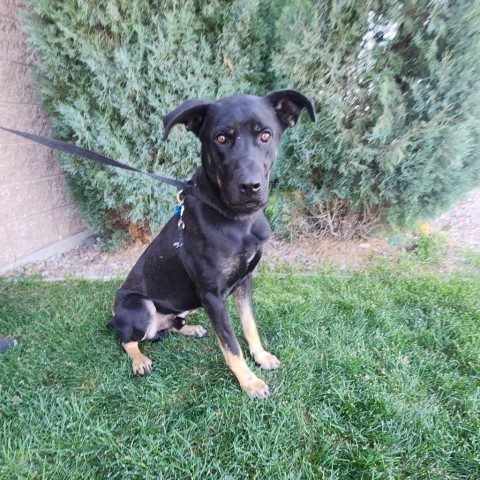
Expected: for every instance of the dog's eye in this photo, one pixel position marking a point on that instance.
(221, 139)
(265, 137)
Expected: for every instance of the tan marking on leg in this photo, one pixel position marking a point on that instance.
(191, 331)
(266, 360)
(141, 364)
(249, 382)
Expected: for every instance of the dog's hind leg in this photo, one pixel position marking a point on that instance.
(243, 303)
(136, 319)
(185, 329)
(191, 331)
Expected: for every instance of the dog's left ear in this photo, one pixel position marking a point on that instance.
(191, 113)
(288, 105)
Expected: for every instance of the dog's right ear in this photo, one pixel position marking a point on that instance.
(191, 113)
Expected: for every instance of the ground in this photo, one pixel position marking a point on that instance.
(455, 234)
(379, 375)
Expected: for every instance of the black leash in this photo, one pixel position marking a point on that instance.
(93, 156)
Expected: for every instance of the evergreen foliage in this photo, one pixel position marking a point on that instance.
(396, 86)
(397, 90)
(110, 70)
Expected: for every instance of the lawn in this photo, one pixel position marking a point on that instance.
(380, 379)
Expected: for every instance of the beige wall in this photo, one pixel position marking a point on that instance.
(35, 209)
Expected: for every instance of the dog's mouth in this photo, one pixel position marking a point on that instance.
(247, 206)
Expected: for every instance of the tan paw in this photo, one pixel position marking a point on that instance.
(266, 360)
(257, 388)
(142, 365)
(193, 331)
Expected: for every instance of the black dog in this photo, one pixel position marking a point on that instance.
(210, 251)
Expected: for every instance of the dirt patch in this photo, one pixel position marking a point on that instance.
(309, 253)
(460, 228)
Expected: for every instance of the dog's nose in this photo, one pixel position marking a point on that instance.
(250, 188)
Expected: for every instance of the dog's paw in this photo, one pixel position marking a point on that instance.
(142, 366)
(266, 360)
(193, 331)
(257, 388)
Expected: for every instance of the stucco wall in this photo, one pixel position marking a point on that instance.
(35, 208)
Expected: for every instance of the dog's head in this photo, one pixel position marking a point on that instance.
(240, 136)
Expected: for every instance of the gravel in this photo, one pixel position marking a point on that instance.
(461, 225)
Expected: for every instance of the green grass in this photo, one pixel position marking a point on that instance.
(380, 380)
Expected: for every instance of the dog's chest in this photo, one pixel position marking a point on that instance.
(241, 262)
(219, 252)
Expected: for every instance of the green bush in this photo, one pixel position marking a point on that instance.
(396, 85)
(110, 70)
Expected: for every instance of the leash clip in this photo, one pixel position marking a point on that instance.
(179, 208)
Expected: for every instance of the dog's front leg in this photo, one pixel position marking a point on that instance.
(243, 302)
(216, 309)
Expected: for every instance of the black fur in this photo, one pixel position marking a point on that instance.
(225, 227)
